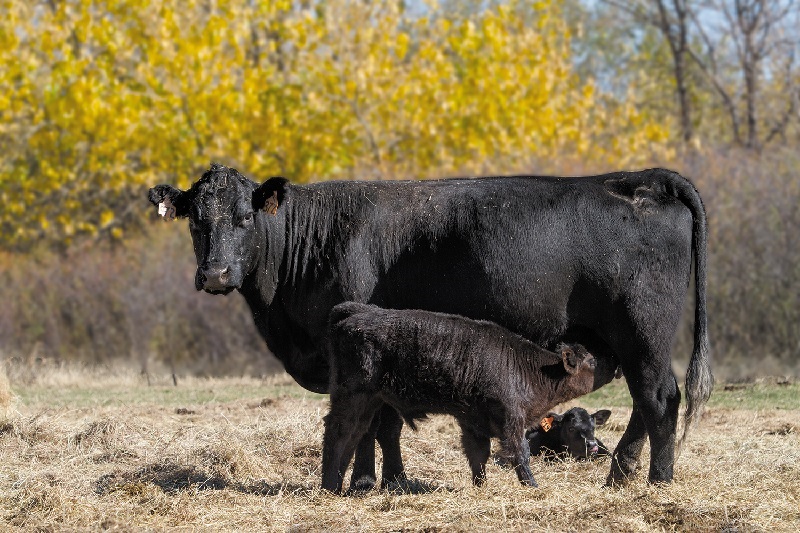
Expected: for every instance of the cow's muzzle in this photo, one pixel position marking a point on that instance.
(214, 279)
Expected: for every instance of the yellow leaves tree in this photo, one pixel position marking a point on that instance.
(101, 98)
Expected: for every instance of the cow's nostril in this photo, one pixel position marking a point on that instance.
(215, 279)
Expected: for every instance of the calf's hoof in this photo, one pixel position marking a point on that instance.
(363, 484)
(393, 480)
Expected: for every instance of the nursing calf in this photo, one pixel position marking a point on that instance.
(494, 382)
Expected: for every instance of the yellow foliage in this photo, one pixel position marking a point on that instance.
(98, 100)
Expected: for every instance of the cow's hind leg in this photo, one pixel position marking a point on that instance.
(656, 399)
(477, 449)
(625, 459)
(659, 406)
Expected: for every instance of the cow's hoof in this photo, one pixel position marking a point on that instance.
(361, 485)
(622, 472)
(619, 479)
(613, 481)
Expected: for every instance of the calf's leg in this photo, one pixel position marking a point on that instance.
(515, 447)
(363, 477)
(346, 423)
(389, 439)
(385, 428)
(477, 449)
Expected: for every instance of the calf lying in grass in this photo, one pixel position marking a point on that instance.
(495, 383)
(571, 433)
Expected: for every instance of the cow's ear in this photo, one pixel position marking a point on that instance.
(171, 202)
(570, 359)
(269, 195)
(601, 417)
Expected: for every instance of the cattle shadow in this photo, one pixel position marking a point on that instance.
(415, 486)
(173, 478)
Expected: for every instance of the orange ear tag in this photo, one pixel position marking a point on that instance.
(546, 423)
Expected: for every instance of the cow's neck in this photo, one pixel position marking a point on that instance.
(269, 293)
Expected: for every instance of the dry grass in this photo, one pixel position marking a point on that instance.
(7, 398)
(196, 458)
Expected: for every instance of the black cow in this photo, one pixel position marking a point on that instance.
(604, 261)
(494, 382)
(571, 433)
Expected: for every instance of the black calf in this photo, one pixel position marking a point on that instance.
(571, 433)
(495, 383)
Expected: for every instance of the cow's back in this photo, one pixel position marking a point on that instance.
(533, 254)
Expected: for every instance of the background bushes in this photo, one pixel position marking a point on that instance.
(101, 99)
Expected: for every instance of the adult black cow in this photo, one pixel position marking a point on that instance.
(604, 261)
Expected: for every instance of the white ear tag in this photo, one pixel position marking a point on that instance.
(166, 209)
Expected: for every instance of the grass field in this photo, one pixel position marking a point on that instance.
(103, 450)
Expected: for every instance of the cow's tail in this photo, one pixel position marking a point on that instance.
(699, 379)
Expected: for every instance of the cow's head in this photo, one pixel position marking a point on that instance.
(576, 430)
(223, 208)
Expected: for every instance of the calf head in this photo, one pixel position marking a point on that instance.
(580, 366)
(575, 429)
(224, 220)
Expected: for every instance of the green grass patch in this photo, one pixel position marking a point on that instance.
(751, 396)
(615, 394)
(756, 396)
(84, 396)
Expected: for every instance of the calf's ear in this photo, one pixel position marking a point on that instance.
(270, 195)
(171, 202)
(570, 359)
(601, 417)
